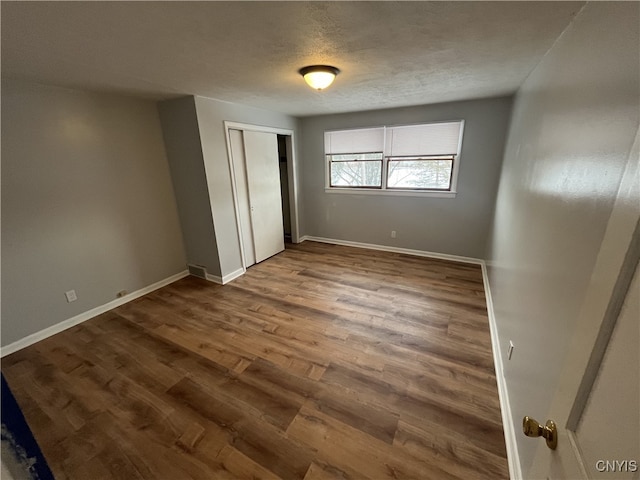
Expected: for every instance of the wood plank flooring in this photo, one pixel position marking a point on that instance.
(322, 362)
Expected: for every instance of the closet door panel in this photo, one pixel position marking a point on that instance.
(263, 181)
(242, 192)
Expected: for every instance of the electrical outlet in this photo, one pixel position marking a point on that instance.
(510, 351)
(393, 234)
(71, 296)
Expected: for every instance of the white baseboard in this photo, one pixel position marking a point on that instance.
(233, 275)
(83, 317)
(386, 248)
(226, 278)
(515, 470)
(214, 278)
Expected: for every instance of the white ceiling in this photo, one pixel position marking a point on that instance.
(390, 53)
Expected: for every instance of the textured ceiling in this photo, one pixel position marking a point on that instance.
(390, 53)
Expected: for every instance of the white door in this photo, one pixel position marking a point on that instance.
(597, 407)
(608, 425)
(242, 193)
(265, 203)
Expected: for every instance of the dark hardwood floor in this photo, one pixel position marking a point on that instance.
(321, 362)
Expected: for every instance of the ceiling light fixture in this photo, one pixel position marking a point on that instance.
(319, 77)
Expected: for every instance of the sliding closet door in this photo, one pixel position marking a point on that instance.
(263, 182)
(242, 192)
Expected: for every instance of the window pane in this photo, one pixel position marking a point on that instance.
(362, 173)
(423, 174)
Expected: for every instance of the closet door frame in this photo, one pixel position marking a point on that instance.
(291, 173)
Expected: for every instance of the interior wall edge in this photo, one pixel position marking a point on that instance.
(183, 147)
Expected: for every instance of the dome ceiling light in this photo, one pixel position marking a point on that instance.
(319, 77)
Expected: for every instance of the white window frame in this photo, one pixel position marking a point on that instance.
(384, 190)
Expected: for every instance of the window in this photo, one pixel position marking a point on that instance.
(419, 158)
(420, 173)
(356, 170)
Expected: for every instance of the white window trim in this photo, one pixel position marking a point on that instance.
(394, 192)
(451, 193)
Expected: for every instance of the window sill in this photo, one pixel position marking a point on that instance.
(400, 193)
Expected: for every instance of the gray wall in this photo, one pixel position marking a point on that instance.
(196, 146)
(87, 204)
(574, 122)
(455, 226)
(211, 117)
(184, 151)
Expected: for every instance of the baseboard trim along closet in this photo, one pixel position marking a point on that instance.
(226, 278)
(386, 248)
(83, 317)
(515, 471)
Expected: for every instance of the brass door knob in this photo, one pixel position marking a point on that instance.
(532, 428)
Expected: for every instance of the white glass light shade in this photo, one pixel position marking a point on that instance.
(319, 80)
(319, 77)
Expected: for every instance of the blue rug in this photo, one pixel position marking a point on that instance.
(21, 454)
